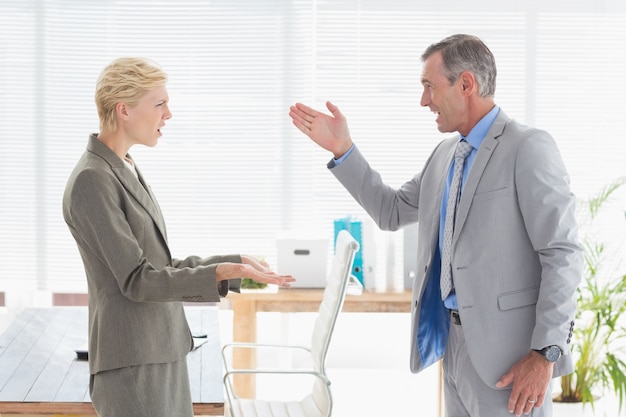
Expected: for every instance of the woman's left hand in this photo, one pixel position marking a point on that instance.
(253, 269)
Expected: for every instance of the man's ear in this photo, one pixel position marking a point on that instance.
(468, 81)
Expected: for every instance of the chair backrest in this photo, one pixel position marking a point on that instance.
(319, 402)
(334, 296)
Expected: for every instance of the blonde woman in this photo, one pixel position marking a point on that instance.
(138, 334)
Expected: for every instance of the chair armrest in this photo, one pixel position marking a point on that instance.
(257, 346)
(262, 345)
(319, 375)
(232, 395)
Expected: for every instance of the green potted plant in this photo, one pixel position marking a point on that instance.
(248, 284)
(599, 341)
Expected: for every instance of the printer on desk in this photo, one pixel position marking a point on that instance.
(307, 260)
(304, 258)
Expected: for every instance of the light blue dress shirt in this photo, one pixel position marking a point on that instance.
(474, 138)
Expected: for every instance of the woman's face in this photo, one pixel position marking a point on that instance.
(148, 116)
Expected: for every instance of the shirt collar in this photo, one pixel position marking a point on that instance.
(479, 131)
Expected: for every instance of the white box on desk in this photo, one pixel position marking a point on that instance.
(304, 258)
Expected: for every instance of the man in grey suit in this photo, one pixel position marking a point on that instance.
(138, 333)
(504, 329)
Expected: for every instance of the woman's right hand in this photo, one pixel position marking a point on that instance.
(253, 269)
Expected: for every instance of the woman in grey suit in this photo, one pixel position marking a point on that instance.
(138, 334)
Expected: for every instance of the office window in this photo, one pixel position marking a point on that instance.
(231, 170)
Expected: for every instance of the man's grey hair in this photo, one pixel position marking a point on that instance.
(466, 53)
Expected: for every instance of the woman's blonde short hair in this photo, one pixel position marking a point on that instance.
(124, 80)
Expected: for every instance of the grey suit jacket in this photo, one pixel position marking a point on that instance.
(516, 260)
(135, 287)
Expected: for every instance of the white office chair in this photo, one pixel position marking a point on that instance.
(319, 402)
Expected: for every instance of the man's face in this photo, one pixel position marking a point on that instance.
(445, 100)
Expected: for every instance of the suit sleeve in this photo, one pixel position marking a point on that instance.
(548, 209)
(391, 209)
(224, 287)
(135, 256)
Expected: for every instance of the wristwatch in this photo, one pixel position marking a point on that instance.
(551, 353)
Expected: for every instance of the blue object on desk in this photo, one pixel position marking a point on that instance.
(355, 227)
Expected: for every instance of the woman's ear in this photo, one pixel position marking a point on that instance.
(121, 109)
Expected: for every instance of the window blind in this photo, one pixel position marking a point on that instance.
(231, 171)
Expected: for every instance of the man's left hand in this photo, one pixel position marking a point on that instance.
(530, 378)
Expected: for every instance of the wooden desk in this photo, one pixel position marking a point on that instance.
(246, 305)
(39, 372)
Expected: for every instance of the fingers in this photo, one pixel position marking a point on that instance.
(286, 283)
(299, 122)
(506, 380)
(268, 277)
(334, 110)
(304, 109)
(254, 271)
(280, 280)
(530, 404)
(302, 117)
(540, 399)
(259, 264)
(531, 379)
(302, 112)
(524, 403)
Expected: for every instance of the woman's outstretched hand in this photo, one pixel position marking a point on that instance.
(254, 269)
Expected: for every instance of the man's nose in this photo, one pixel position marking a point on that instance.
(425, 100)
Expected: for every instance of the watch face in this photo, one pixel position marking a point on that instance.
(553, 353)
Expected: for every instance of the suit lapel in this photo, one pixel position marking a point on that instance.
(487, 147)
(135, 186)
(141, 191)
(450, 144)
